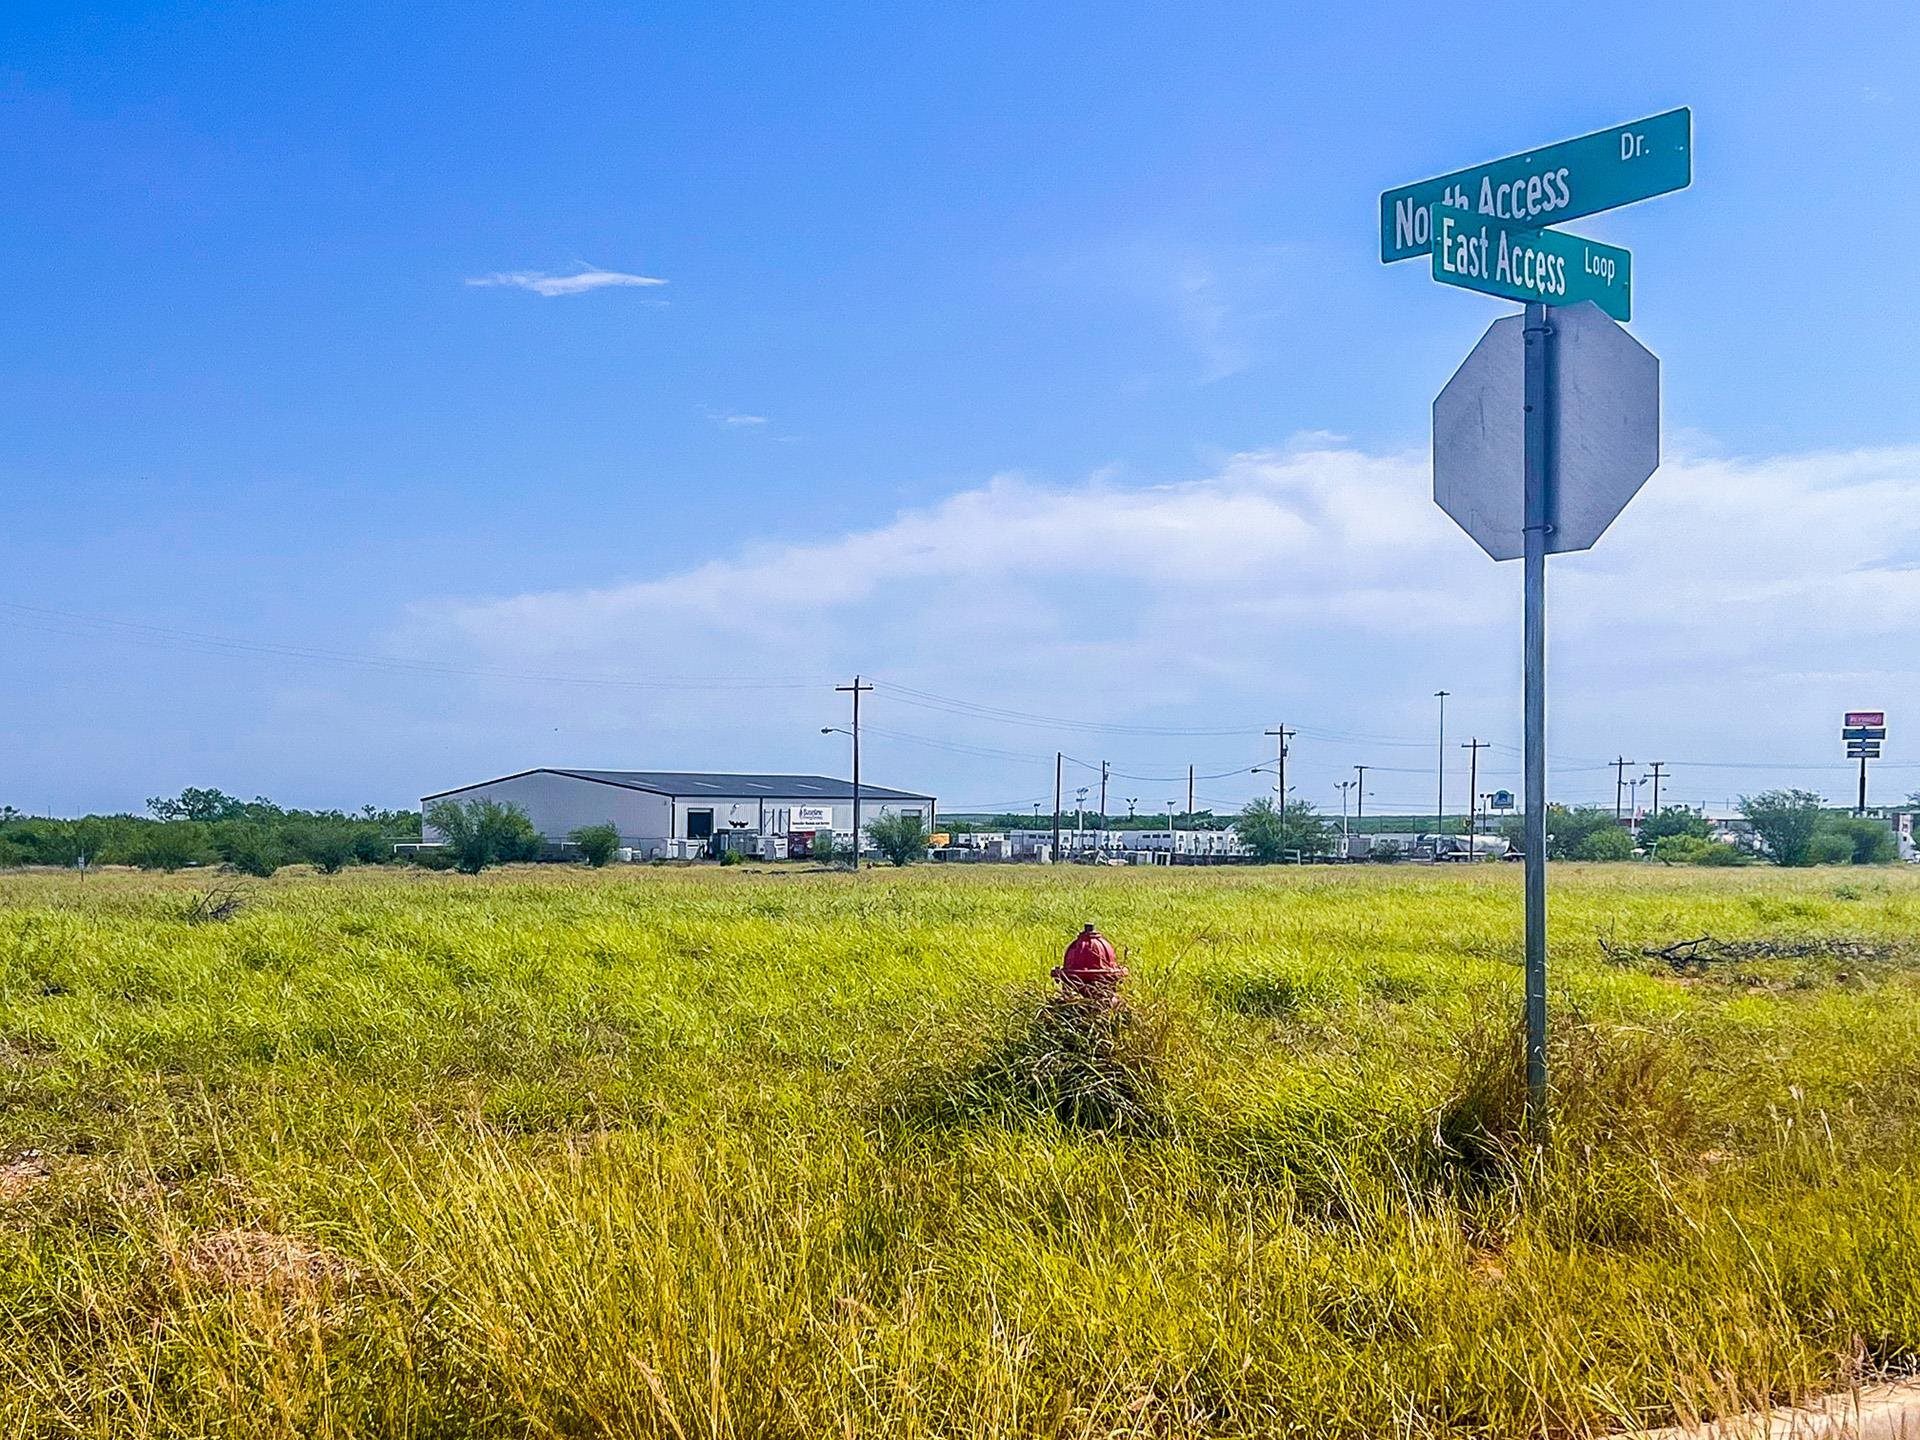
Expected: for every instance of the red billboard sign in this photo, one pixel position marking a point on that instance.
(1866, 717)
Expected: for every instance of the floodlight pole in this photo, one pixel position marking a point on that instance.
(1540, 466)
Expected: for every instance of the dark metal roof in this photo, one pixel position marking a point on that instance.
(698, 785)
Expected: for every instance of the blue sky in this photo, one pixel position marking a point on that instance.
(1037, 357)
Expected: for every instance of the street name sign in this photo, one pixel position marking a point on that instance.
(1496, 257)
(1605, 419)
(1601, 171)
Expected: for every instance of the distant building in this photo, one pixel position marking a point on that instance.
(669, 813)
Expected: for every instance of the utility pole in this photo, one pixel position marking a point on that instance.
(857, 689)
(1281, 736)
(1057, 758)
(1104, 767)
(1619, 784)
(1173, 835)
(1473, 747)
(1079, 818)
(1360, 794)
(1440, 801)
(1132, 800)
(1189, 790)
(1657, 767)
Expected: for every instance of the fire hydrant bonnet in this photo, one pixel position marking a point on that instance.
(1090, 964)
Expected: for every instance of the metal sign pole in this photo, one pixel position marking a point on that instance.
(1539, 478)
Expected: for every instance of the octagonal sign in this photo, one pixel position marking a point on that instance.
(1605, 412)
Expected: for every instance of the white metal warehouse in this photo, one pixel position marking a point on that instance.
(662, 813)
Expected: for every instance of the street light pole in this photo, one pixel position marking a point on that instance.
(1440, 800)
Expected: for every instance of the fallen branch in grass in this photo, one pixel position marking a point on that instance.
(1704, 950)
(221, 902)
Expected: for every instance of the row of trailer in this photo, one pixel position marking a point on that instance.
(1199, 847)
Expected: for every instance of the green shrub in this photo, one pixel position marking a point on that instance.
(597, 843)
(370, 846)
(1829, 847)
(1785, 821)
(901, 838)
(1679, 849)
(1612, 843)
(1870, 842)
(172, 845)
(248, 848)
(1671, 822)
(480, 833)
(328, 848)
(1691, 850)
(1273, 833)
(1568, 830)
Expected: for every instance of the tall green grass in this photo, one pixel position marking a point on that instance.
(748, 1154)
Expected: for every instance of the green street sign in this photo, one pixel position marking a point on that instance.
(1553, 268)
(1596, 172)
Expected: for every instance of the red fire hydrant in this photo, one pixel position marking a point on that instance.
(1090, 969)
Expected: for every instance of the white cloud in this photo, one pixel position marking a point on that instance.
(1732, 607)
(579, 283)
(731, 418)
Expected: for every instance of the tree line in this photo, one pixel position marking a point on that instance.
(209, 827)
(256, 837)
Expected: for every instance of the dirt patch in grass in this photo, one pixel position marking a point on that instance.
(260, 1260)
(22, 1173)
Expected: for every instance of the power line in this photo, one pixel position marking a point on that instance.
(926, 700)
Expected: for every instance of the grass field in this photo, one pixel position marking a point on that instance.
(722, 1153)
